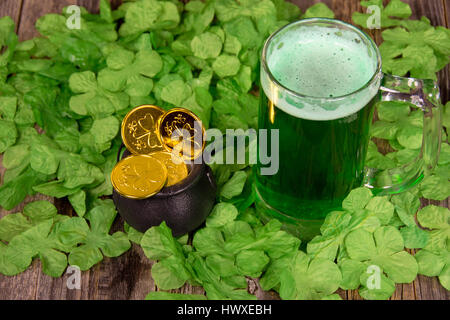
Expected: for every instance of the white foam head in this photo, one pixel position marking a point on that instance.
(308, 69)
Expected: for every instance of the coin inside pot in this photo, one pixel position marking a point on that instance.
(184, 206)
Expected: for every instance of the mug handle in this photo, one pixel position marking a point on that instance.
(425, 95)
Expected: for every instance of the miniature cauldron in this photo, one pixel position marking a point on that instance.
(183, 206)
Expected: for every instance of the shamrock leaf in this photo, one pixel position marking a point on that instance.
(383, 248)
(394, 9)
(268, 238)
(251, 262)
(148, 15)
(435, 264)
(318, 10)
(91, 30)
(286, 11)
(81, 46)
(414, 237)
(17, 187)
(222, 214)
(93, 99)
(206, 45)
(399, 124)
(234, 186)
(436, 186)
(8, 42)
(104, 130)
(243, 29)
(375, 159)
(437, 219)
(34, 213)
(93, 238)
(357, 199)
(38, 241)
(74, 172)
(406, 205)
(421, 52)
(226, 65)
(8, 134)
(159, 244)
(130, 72)
(175, 92)
(50, 117)
(306, 278)
(199, 16)
(338, 224)
(262, 12)
(375, 289)
(214, 285)
(336, 227)
(8, 107)
(11, 262)
(351, 272)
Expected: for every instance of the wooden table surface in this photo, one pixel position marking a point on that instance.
(128, 276)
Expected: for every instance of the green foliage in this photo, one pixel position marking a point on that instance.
(391, 15)
(94, 238)
(221, 255)
(413, 48)
(318, 10)
(40, 232)
(76, 85)
(434, 259)
(402, 126)
(307, 279)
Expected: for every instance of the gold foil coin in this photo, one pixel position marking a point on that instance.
(139, 176)
(182, 131)
(176, 168)
(140, 129)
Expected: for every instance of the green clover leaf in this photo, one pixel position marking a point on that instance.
(94, 240)
(34, 213)
(363, 211)
(383, 248)
(148, 15)
(41, 241)
(394, 9)
(306, 278)
(437, 219)
(435, 264)
(93, 99)
(130, 72)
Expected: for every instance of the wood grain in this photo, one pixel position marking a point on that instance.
(11, 8)
(129, 276)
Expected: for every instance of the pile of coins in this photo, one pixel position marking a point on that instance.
(160, 143)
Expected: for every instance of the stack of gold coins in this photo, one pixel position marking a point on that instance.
(160, 143)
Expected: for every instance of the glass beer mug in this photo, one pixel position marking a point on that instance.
(320, 81)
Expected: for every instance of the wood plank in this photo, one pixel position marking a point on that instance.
(128, 276)
(22, 286)
(445, 75)
(33, 10)
(11, 8)
(447, 12)
(101, 282)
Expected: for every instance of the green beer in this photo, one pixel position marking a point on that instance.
(320, 80)
(319, 84)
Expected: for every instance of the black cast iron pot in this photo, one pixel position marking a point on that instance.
(183, 206)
